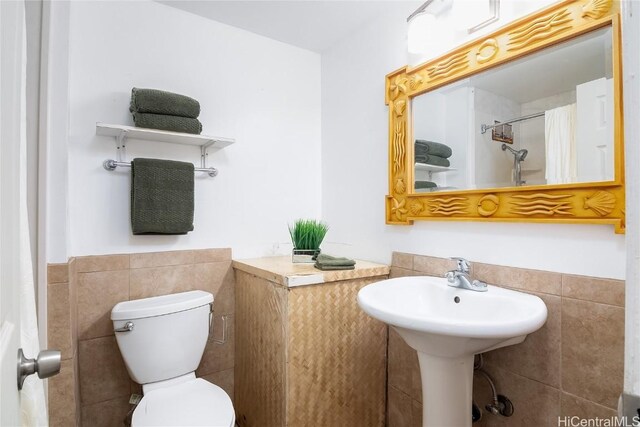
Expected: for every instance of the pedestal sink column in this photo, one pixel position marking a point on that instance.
(447, 390)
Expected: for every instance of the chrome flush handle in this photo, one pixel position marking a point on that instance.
(128, 327)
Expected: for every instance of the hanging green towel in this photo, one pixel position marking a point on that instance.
(161, 196)
(170, 123)
(433, 148)
(432, 160)
(162, 102)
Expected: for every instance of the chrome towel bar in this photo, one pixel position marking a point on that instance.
(111, 165)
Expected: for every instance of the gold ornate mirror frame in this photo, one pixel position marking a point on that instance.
(586, 203)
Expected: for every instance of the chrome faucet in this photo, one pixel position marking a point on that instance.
(460, 278)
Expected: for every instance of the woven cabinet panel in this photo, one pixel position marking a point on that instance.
(260, 395)
(336, 358)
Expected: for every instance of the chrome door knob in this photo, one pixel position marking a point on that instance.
(46, 365)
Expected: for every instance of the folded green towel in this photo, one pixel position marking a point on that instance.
(164, 122)
(425, 184)
(432, 160)
(161, 196)
(423, 147)
(161, 102)
(324, 267)
(328, 260)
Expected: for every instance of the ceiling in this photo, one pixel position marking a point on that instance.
(312, 25)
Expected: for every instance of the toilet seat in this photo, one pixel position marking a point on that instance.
(192, 403)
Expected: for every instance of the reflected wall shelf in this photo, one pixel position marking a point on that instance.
(431, 169)
(121, 133)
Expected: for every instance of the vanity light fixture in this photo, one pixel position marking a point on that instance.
(467, 13)
(424, 30)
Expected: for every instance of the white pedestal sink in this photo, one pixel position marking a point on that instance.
(447, 326)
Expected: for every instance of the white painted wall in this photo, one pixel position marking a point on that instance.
(442, 117)
(457, 123)
(429, 117)
(494, 167)
(354, 178)
(261, 92)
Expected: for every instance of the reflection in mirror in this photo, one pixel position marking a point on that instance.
(541, 120)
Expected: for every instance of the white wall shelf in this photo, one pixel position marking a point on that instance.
(121, 133)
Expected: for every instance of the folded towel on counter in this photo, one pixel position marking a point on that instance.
(333, 267)
(331, 260)
(423, 147)
(328, 262)
(432, 160)
(161, 102)
(165, 122)
(161, 196)
(425, 184)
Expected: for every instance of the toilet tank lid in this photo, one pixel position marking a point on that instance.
(158, 306)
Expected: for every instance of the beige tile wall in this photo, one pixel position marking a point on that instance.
(64, 409)
(572, 366)
(93, 388)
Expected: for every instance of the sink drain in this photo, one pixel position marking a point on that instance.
(456, 300)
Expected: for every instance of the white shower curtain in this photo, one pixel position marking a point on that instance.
(560, 145)
(33, 404)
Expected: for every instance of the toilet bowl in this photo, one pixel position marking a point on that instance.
(162, 340)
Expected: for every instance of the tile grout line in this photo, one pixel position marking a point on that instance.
(590, 401)
(594, 302)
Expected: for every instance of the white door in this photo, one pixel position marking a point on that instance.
(594, 133)
(11, 27)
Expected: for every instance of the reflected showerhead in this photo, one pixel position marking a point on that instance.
(520, 155)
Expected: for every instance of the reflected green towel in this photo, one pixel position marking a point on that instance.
(423, 147)
(161, 196)
(432, 160)
(328, 260)
(170, 123)
(162, 102)
(425, 184)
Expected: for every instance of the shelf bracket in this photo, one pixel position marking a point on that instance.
(121, 148)
(204, 155)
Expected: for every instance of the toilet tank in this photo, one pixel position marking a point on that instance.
(168, 336)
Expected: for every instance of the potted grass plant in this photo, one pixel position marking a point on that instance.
(306, 236)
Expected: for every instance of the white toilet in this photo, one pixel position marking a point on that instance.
(162, 340)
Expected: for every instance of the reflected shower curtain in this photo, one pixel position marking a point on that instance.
(560, 145)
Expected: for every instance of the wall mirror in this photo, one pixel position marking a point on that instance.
(524, 124)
